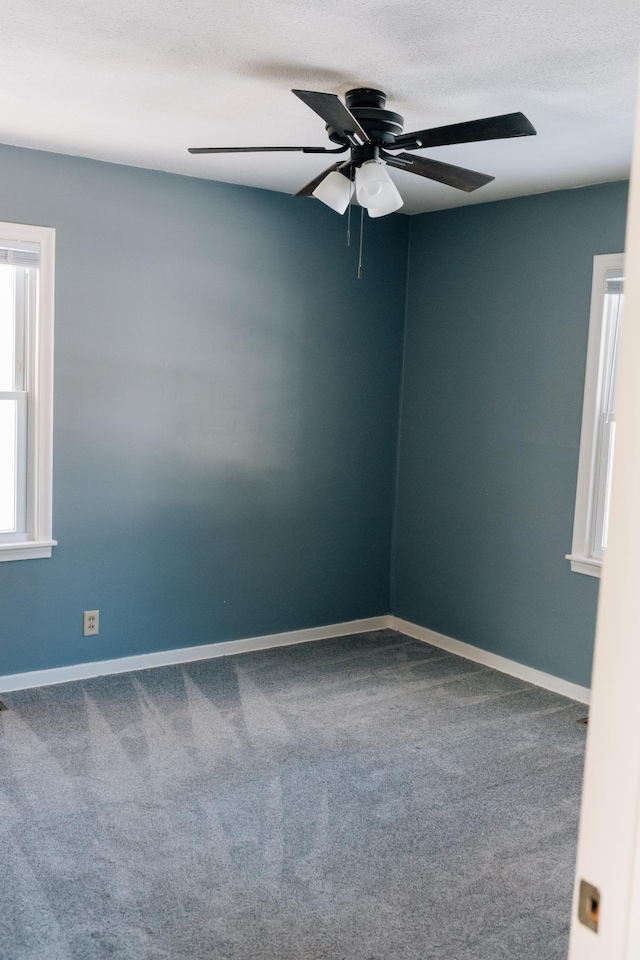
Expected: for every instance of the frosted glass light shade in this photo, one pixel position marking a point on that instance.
(394, 202)
(335, 190)
(374, 186)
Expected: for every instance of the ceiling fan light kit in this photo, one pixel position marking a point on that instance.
(371, 134)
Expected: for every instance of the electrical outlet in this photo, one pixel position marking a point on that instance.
(90, 622)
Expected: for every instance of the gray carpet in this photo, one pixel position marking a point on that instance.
(367, 798)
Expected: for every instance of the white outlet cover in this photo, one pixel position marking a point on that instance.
(90, 622)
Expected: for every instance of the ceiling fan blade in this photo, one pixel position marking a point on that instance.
(333, 112)
(265, 150)
(491, 128)
(308, 189)
(458, 177)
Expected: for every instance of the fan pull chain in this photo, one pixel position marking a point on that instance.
(360, 251)
(349, 210)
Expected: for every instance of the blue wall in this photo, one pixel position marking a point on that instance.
(496, 340)
(226, 402)
(226, 417)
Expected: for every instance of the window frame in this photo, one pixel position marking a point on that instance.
(582, 557)
(38, 491)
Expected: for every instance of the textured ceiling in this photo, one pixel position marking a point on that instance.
(139, 83)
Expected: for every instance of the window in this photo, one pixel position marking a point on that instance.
(26, 390)
(598, 417)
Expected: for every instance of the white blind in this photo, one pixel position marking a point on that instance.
(19, 253)
(615, 282)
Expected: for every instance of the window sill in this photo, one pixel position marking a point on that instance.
(27, 550)
(585, 565)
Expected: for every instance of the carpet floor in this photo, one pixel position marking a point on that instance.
(365, 798)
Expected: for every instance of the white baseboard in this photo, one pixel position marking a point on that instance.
(207, 651)
(504, 665)
(101, 668)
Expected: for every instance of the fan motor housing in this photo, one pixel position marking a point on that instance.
(367, 106)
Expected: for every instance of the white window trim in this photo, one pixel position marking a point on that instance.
(40, 444)
(581, 558)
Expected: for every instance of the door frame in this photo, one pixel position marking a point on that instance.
(609, 841)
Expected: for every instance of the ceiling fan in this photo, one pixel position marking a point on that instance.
(374, 138)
